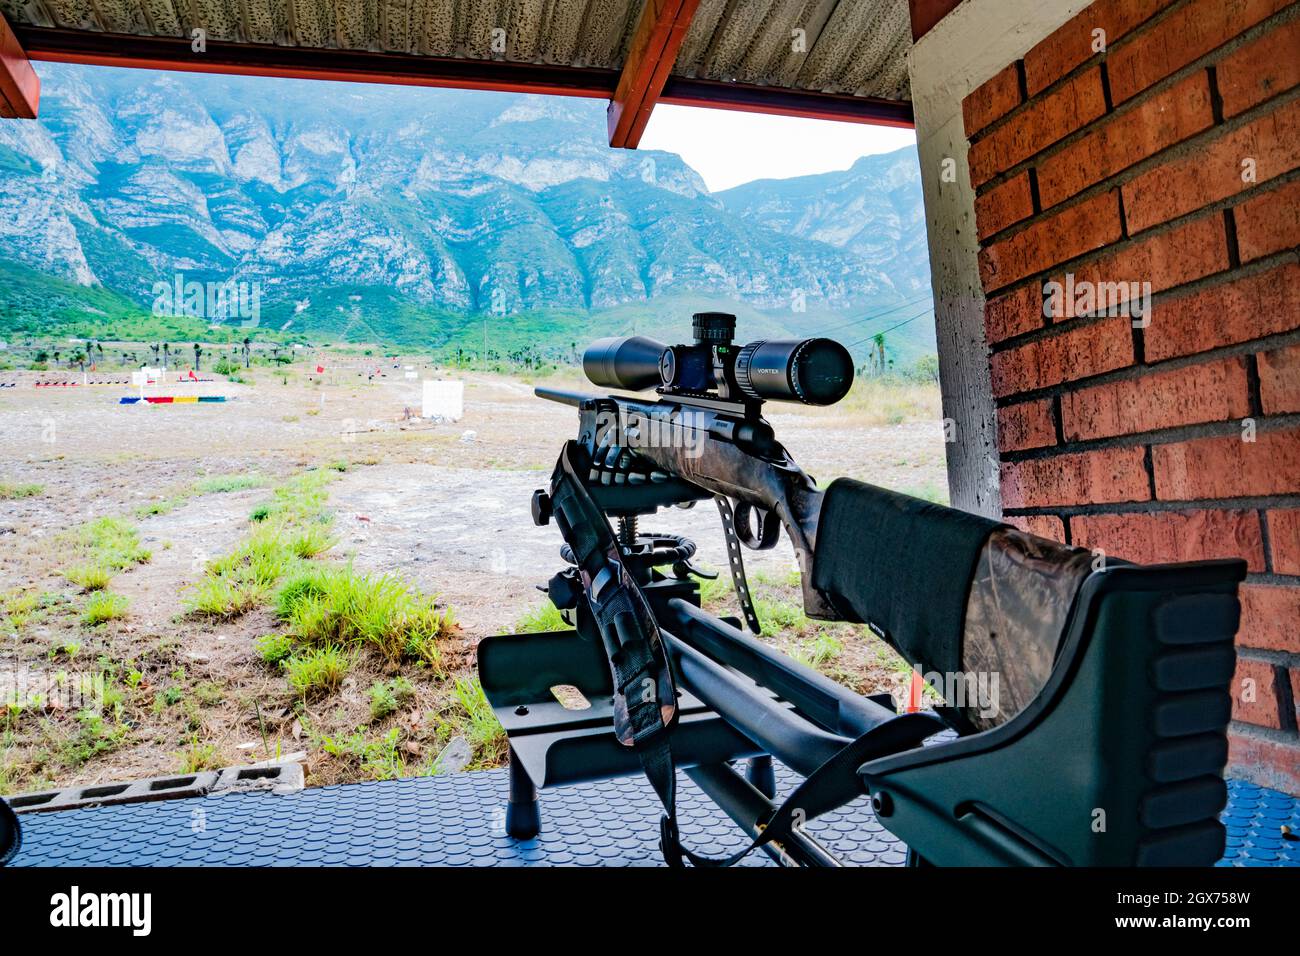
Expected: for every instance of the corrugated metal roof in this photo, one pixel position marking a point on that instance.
(853, 47)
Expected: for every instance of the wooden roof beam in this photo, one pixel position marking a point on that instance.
(926, 13)
(658, 37)
(20, 87)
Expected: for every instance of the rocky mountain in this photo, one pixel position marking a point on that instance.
(873, 209)
(451, 201)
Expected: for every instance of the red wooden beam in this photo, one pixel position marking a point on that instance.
(783, 101)
(651, 55)
(926, 13)
(20, 87)
(362, 66)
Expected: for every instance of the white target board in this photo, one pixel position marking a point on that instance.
(444, 400)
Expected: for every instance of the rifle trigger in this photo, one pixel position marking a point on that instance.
(737, 565)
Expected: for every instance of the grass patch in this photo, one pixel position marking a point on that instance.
(545, 618)
(198, 757)
(927, 490)
(317, 672)
(108, 543)
(90, 576)
(336, 605)
(387, 697)
(241, 580)
(104, 606)
(161, 506)
(94, 736)
(219, 484)
(18, 607)
(483, 730)
(274, 648)
(890, 400)
(378, 759)
(10, 490)
(293, 526)
(311, 541)
(818, 653)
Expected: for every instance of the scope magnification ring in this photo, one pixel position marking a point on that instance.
(742, 368)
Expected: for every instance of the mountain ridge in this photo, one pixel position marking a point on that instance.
(456, 202)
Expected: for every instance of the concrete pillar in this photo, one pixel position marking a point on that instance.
(965, 48)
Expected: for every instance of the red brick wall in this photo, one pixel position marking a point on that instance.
(1125, 164)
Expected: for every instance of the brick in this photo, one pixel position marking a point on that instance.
(1072, 43)
(1228, 467)
(1045, 526)
(1260, 70)
(1269, 222)
(1068, 233)
(1185, 35)
(1013, 314)
(1214, 171)
(1284, 540)
(1248, 308)
(1004, 205)
(1166, 259)
(1122, 140)
(1167, 537)
(1105, 476)
(1213, 392)
(1044, 121)
(1254, 694)
(1270, 618)
(991, 101)
(1279, 380)
(1078, 352)
(1264, 761)
(1026, 425)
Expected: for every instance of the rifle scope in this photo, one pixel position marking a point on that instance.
(812, 371)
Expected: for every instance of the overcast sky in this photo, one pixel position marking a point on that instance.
(728, 148)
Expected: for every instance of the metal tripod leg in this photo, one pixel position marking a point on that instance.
(523, 815)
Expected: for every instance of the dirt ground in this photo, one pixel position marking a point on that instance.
(445, 507)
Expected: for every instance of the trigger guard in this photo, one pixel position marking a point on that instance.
(769, 527)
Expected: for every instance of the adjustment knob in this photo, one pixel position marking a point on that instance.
(713, 328)
(542, 510)
(564, 589)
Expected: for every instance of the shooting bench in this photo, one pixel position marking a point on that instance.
(1104, 743)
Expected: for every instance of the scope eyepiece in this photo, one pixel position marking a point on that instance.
(811, 371)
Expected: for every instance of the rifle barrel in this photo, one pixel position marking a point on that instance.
(564, 398)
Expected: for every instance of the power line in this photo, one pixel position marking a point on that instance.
(874, 315)
(890, 329)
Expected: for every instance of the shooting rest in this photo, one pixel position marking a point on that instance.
(1114, 759)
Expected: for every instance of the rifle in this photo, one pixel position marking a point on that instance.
(1054, 672)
